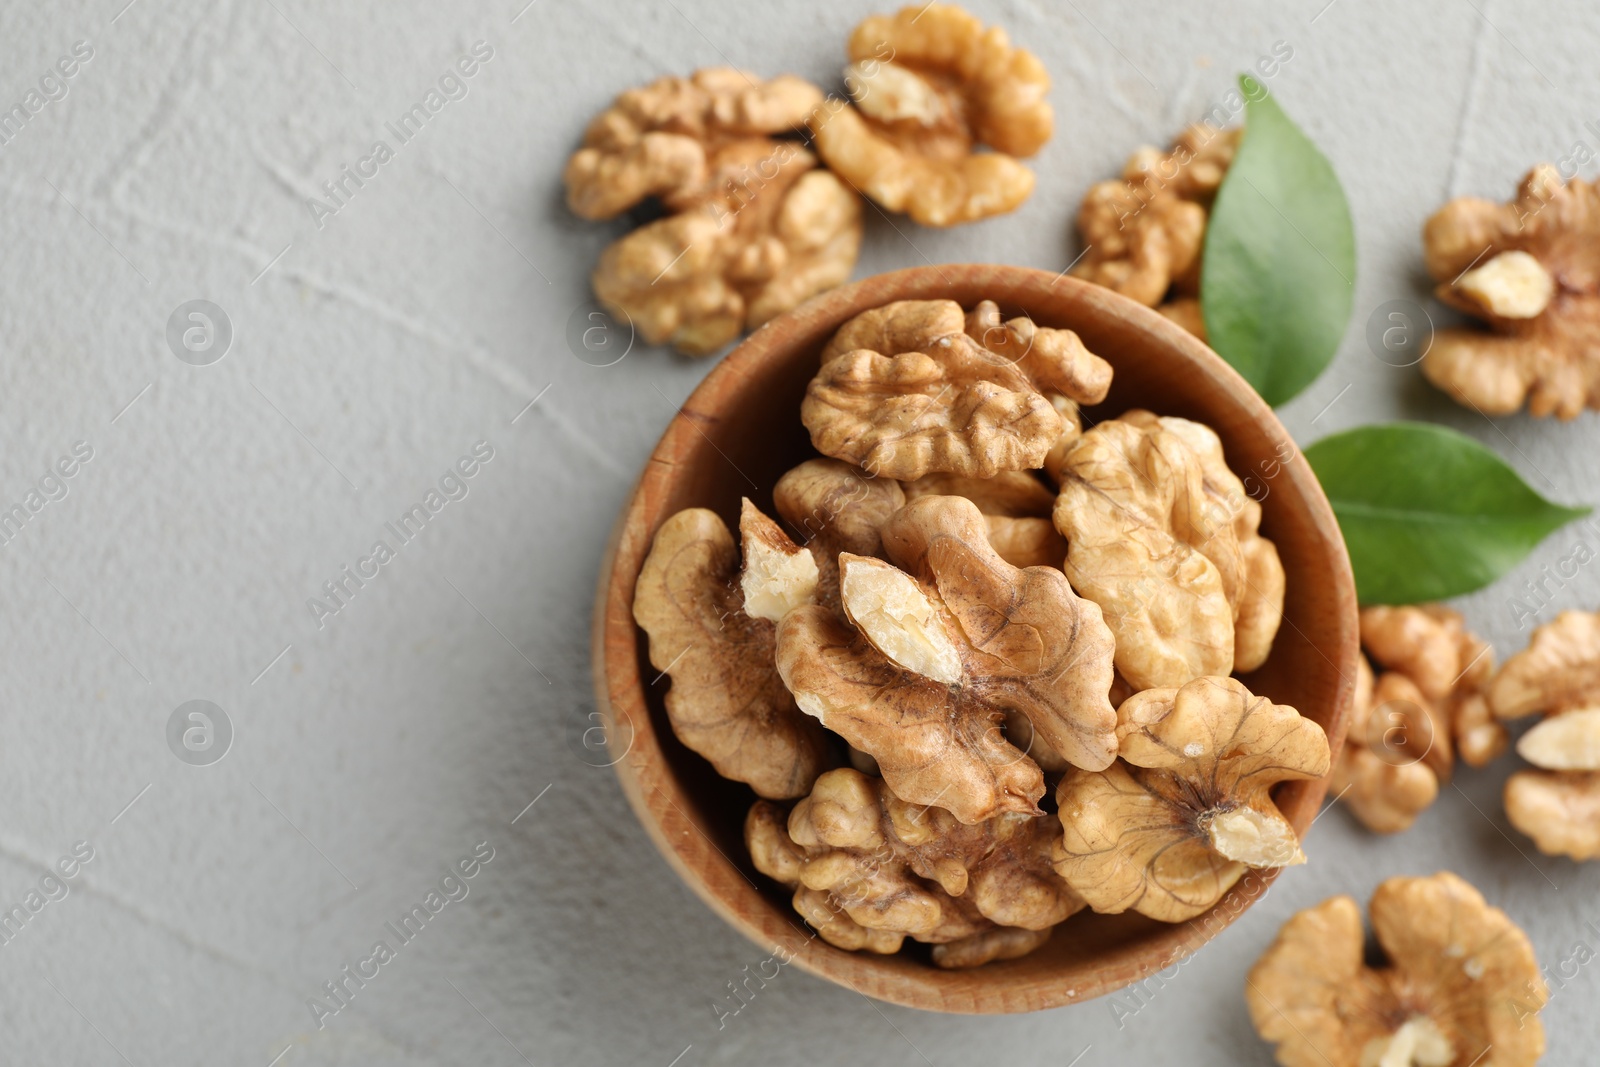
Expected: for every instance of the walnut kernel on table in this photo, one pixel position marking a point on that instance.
(755, 228)
(1530, 269)
(1425, 708)
(1143, 232)
(1162, 536)
(904, 391)
(940, 642)
(929, 85)
(711, 629)
(879, 870)
(1459, 984)
(1558, 676)
(1187, 808)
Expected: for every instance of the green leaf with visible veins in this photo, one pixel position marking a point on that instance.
(1428, 513)
(1278, 271)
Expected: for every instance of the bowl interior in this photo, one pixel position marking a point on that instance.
(741, 430)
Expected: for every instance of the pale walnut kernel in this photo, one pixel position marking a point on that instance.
(835, 507)
(1143, 232)
(659, 140)
(952, 404)
(1560, 810)
(886, 682)
(1459, 983)
(726, 701)
(880, 864)
(1559, 669)
(1383, 783)
(1135, 512)
(778, 575)
(1187, 809)
(1530, 270)
(929, 85)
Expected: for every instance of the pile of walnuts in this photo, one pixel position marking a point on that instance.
(754, 225)
(980, 673)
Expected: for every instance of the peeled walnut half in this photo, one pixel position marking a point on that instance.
(1530, 269)
(905, 391)
(1558, 675)
(904, 870)
(711, 628)
(1162, 536)
(941, 642)
(836, 507)
(755, 228)
(1459, 984)
(929, 85)
(1143, 232)
(1427, 707)
(1187, 809)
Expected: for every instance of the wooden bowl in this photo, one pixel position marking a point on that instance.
(741, 429)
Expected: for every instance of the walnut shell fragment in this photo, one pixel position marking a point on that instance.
(1143, 231)
(940, 642)
(928, 85)
(1558, 674)
(1528, 269)
(1187, 809)
(903, 870)
(1459, 985)
(1163, 537)
(950, 404)
(726, 701)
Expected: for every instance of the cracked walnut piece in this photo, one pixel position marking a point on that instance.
(905, 391)
(1143, 231)
(1459, 985)
(1531, 271)
(901, 869)
(711, 629)
(1187, 809)
(940, 643)
(1426, 708)
(1558, 674)
(1016, 506)
(1163, 537)
(775, 233)
(836, 507)
(928, 85)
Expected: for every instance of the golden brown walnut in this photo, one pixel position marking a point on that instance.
(910, 870)
(1187, 809)
(1143, 231)
(1459, 984)
(661, 140)
(940, 642)
(1428, 708)
(951, 404)
(773, 232)
(726, 701)
(1558, 674)
(836, 507)
(1016, 506)
(1071, 430)
(1001, 943)
(929, 85)
(1531, 271)
(1163, 537)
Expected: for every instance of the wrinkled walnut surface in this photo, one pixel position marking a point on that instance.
(941, 642)
(1459, 986)
(835, 507)
(1530, 269)
(1176, 821)
(911, 870)
(726, 701)
(1017, 508)
(949, 404)
(928, 86)
(1143, 232)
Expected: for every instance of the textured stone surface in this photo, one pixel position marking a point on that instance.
(423, 317)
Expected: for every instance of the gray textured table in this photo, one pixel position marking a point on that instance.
(379, 745)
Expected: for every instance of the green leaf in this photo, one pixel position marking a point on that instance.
(1278, 272)
(1428, 513)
